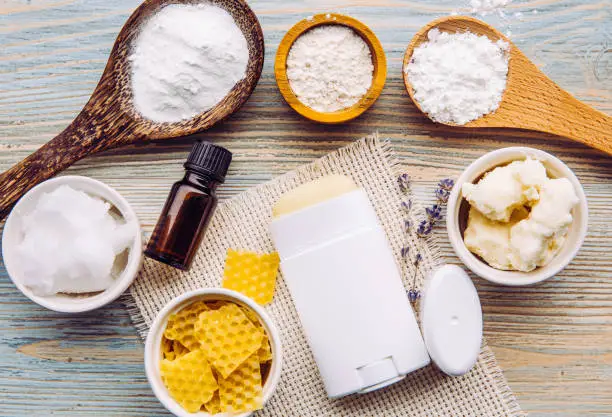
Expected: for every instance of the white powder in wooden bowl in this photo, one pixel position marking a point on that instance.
(185, 60)
(330, 68)
(458, 77)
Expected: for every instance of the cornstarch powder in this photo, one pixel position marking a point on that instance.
(330, 68)
(458, 77)
(186, 59)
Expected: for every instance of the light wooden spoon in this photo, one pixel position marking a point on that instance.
(531, 100)
(109, 119)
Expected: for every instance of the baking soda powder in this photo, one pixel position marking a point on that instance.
(458, 77)
(330, 68)
(186, 59)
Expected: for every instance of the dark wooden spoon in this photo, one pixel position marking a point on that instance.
(109, 119)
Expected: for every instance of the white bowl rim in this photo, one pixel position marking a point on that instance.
(154, 335)
(126, 278)
(514, 278)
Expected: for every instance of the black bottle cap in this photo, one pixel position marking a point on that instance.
(208, 159)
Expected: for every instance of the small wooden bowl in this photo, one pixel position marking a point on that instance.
(378, 59)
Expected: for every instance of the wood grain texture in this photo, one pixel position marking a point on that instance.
(109, 119)
(379, 61)
(553, 340)
(531, 99)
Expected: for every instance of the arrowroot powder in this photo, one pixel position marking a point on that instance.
(458, 77)
(330, 68)
(185, 60)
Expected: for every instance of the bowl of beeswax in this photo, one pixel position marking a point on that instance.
(330, 68)
(214, 352)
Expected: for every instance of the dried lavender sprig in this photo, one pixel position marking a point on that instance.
(407, 206)
(444, 189)
(434, 213)
(425, 227)
(415, 294)
(404, 183)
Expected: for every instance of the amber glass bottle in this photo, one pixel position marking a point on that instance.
(189, 207)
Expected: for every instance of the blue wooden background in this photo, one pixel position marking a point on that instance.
(553, 340)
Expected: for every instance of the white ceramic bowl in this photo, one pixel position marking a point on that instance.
(153, 354)
(555, 169)
(65, 303)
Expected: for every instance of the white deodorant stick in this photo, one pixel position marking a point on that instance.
(346, 286)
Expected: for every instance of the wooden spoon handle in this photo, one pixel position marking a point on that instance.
(533, 101)
(566, 116)
(78, 140)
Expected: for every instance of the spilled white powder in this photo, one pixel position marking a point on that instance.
(70, 243)
(458, 77)
(330, 68)
(484, 7)
(186, 59)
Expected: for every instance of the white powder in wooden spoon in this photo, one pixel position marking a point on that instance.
(185, 60)
(458, 77)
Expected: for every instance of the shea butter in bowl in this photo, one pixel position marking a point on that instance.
(72, 244)
(213, 352)
(330, 68)
(517, 216)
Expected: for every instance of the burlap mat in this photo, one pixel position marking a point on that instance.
(242, 223)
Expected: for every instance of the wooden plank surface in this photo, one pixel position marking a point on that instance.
(553, 340)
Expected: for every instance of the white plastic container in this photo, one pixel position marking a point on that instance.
(348, 292)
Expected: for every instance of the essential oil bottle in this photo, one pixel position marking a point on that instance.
(190, 206)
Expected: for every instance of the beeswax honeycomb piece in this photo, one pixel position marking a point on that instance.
(189, 380)
(265, 351)
(251, 315)
(167, 349)
(181, 325)
(242, 391)
(228, 337)
(251, 274)
(214, 405)
(216, 305)
(178, 349)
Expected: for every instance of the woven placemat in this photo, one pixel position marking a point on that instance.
(242, 223)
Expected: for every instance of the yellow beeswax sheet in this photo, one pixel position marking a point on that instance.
(251, 274)
(181, 325)
(214, 405)
(229, 337)
(265, 350)
(241, 390)
(189, 380)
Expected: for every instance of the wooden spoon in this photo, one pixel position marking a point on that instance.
(531, 100)
(109, 119)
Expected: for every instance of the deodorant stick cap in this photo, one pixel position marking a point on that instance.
(451, 320)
